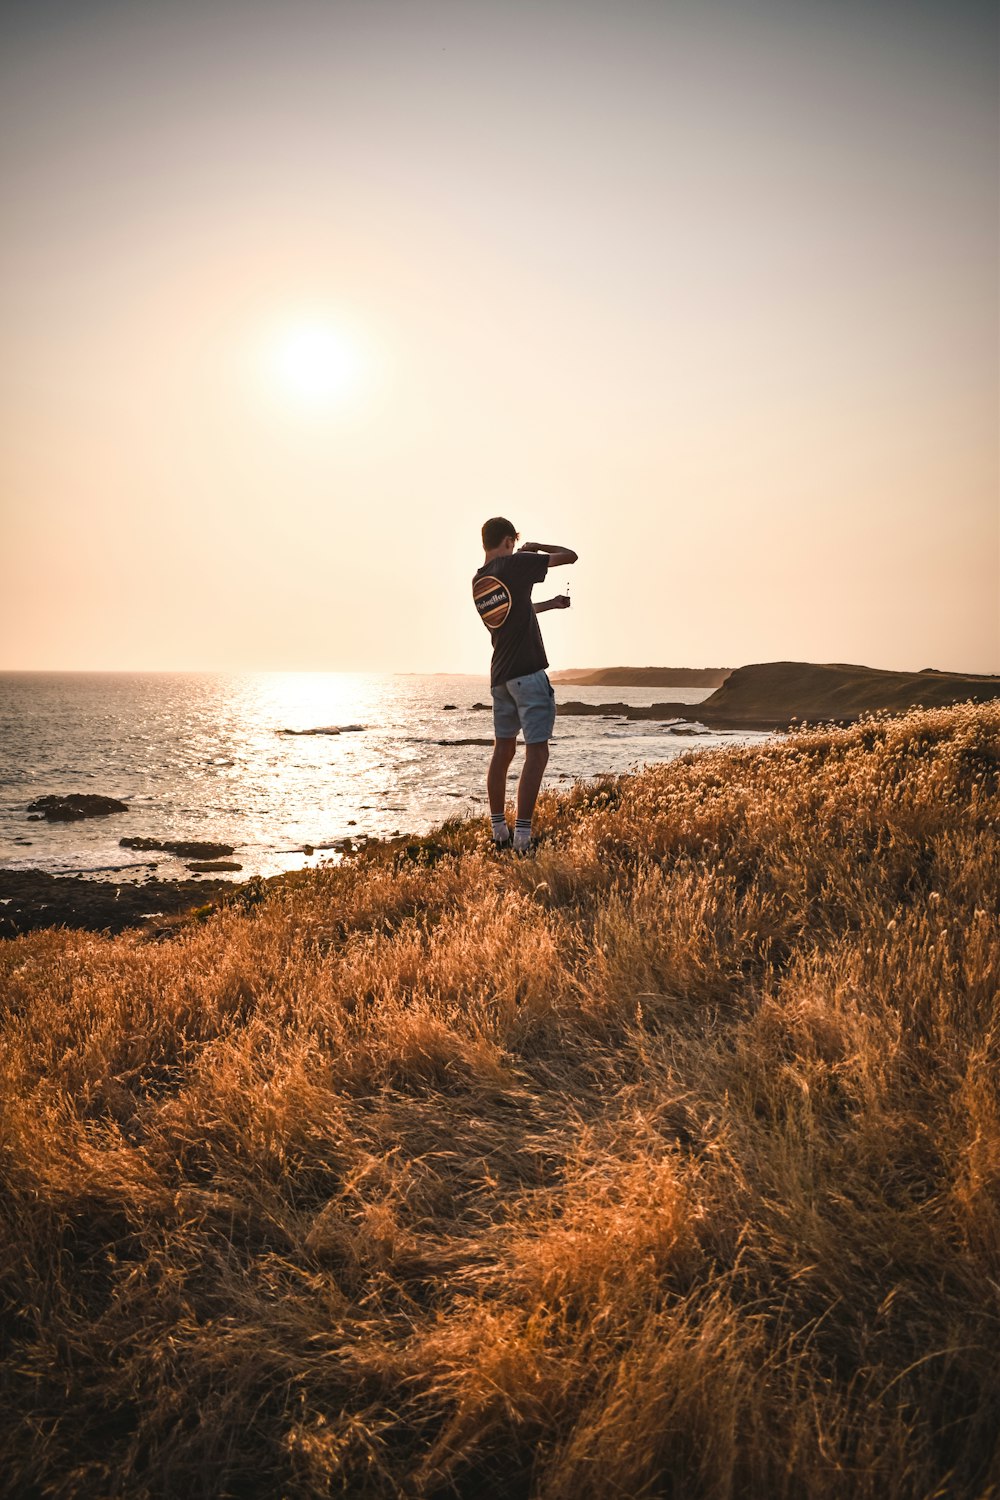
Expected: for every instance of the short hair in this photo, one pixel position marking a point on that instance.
(497, 530)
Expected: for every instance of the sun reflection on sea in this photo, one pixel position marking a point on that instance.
(315, 700)
(202, 756)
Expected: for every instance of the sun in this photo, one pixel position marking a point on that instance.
(313, 363)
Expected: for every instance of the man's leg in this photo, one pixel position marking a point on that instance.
(537, 709)
(536, 758)
(506, 725)
(496, 786)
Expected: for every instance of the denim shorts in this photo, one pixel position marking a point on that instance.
(525, 703)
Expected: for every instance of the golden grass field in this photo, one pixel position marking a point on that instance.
(665, 1164)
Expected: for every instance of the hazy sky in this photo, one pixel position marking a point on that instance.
(295, 295)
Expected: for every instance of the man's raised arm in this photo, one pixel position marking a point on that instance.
(558, 556)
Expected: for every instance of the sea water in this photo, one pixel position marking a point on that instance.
(200, 756)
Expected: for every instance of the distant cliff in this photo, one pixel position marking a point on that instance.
(770, 695)
(709, 677)
(782, 690)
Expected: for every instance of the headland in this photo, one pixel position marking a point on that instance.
(779, 694)
(709, 677)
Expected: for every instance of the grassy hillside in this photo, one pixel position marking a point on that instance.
(667, 1163)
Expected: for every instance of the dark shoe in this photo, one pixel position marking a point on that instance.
(502, 846)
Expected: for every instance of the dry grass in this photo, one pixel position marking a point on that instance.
(666, 1164)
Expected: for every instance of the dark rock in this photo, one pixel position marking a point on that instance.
(447, 707)
(308, 849)
(482, 705)
(34, 899)
(184, 849)
(326, 729)
(465, 742)
(199, 850)
(77, 805)
(215, 864)
(34, 817)
(601, 710)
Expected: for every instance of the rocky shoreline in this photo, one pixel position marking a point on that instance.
(33, 899)
(684, 717)
(116, 898)
(768, 696)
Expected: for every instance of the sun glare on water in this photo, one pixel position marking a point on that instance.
(306, 700)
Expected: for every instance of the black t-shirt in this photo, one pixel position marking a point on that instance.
(502, 594)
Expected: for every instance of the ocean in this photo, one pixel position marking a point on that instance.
(200, 756)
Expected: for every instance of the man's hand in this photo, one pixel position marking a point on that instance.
(561, 601)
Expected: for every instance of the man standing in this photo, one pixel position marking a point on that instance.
(522, 694)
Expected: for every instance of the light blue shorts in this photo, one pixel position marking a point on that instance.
(525, 703)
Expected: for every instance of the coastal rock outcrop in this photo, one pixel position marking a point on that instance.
(326, 729)
(776, 694)
(76, 805)
(183, 848)
(30, 899)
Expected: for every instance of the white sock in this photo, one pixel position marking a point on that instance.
(522, 833)
(500, 830)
